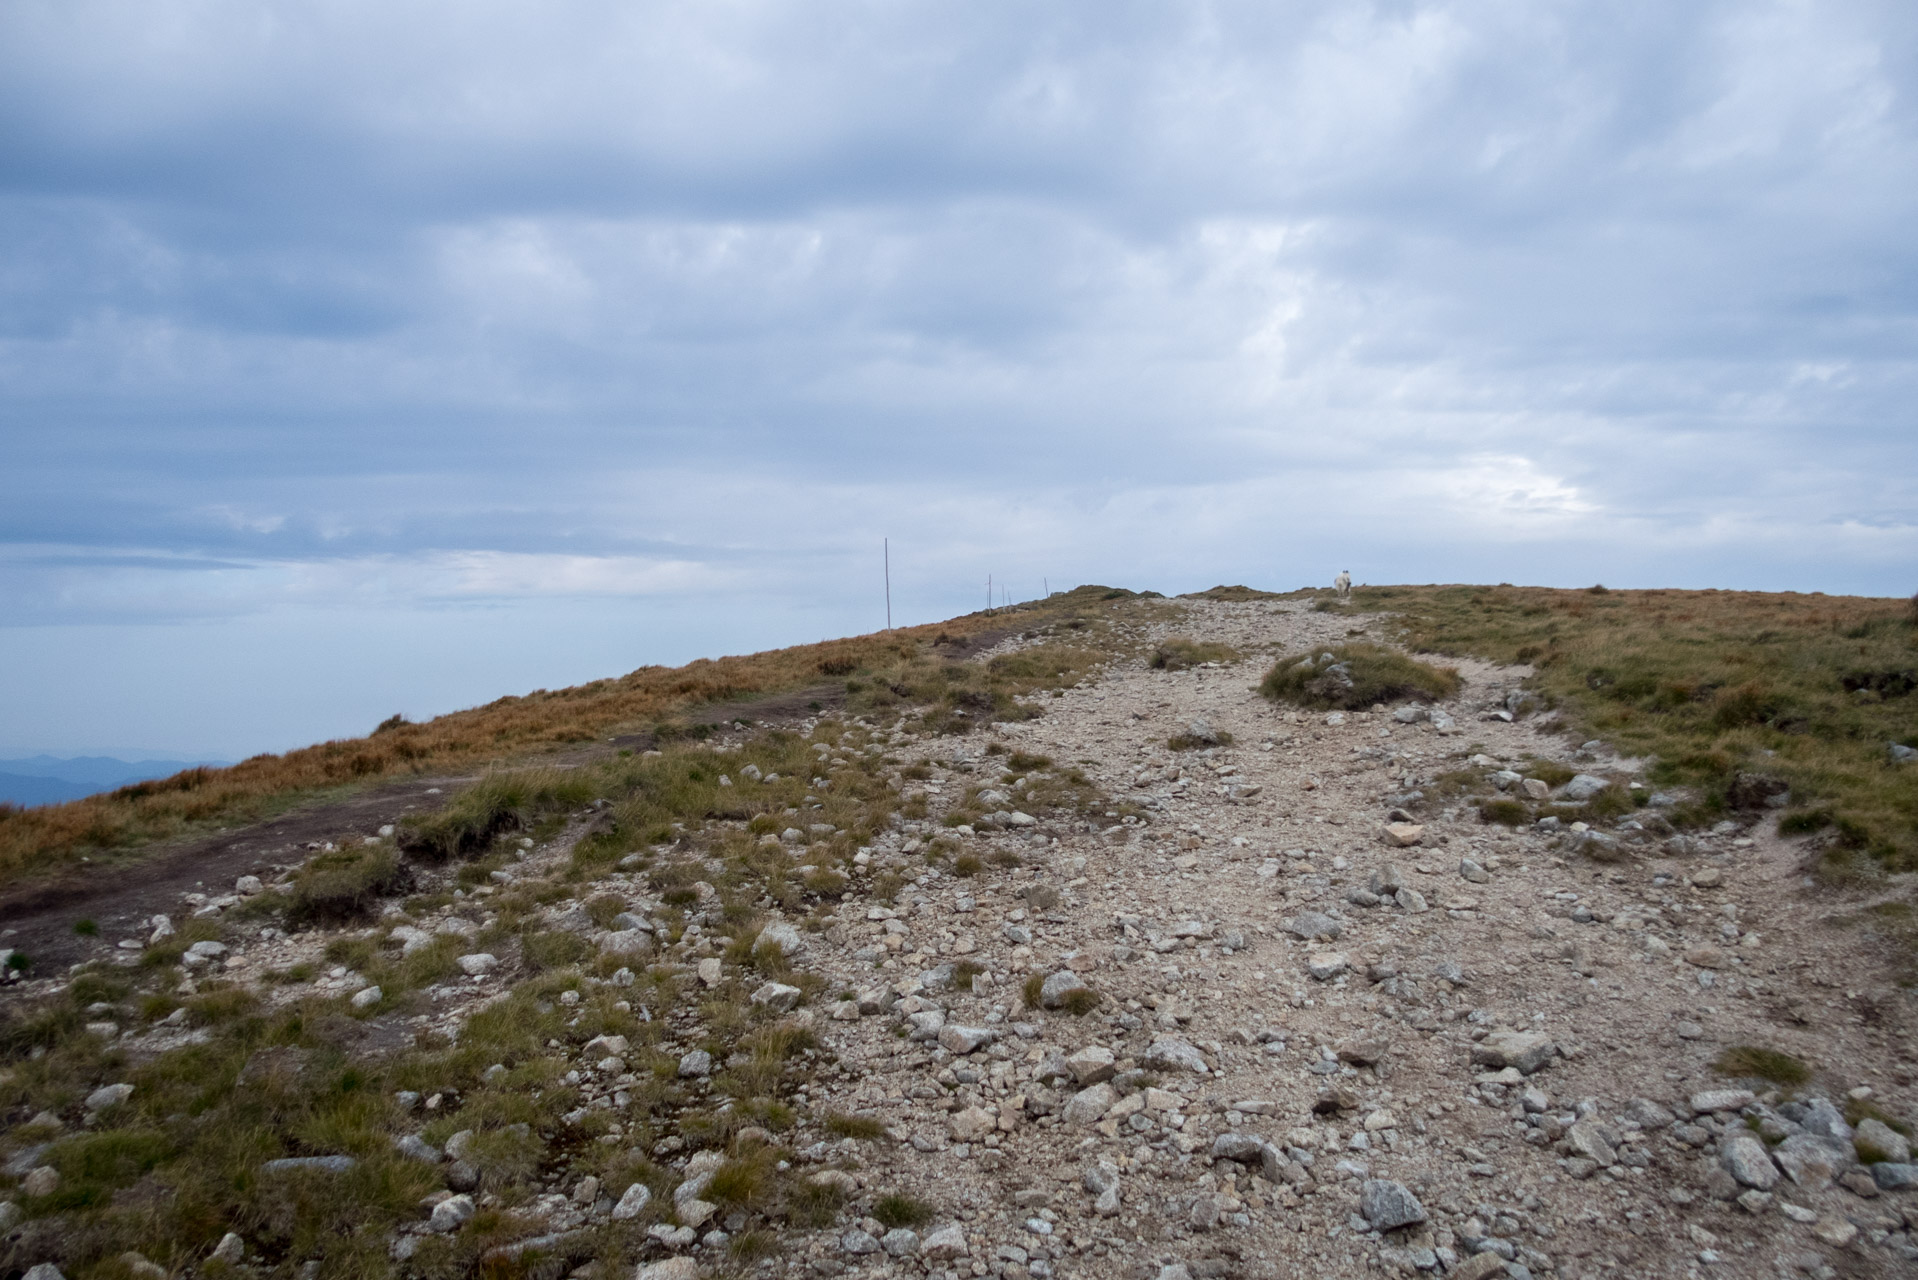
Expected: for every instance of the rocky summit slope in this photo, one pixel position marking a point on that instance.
(1277, 1003)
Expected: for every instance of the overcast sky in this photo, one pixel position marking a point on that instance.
(372, 357)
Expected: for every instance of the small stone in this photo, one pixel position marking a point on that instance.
(320, 1164)
(1403, 835)
(972, 1124)
(1705, 957)
(1878, 1136)
(141, 1267)
(248, 885)
(451, 1213)
(1326, 965)
(1755, 1202)
(1480, 1266)
(1089, 1105)
(43, 1271)
(777, 996)
(1811, 1161)
(782, 937)
(366, 997)
(1473, 872)
(109, 1095)
(857, 1242)
(1526, 1051)
(1589, 1139)
(1888, 1175)
(414, 1147)
(1310, 926)
(626, 942)
(1058, 986)
(1388, 1205)
(633, 1202)
(680, 1268)
(695, 1064)
(944, 1244)
(1364, 1051)
(1173, 1055)
(479, 964)
(231, 1250)
(1091, 1065)
(1746, 1159)
(956, 1039)
(40, 1182)
(1583, 787)
(710, 971)
(1712, 1100)
(900, 1242)
(1835, 1231)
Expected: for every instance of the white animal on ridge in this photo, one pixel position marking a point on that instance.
(1344, 584)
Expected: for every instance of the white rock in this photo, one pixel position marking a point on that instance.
(782, 937)
(777, 996)
(680, 1268)
(479, 963)
(366, 997)
(108, 1095)
(1326, 965)
(633, 1202)
(944, 1244)
(451, 1213)
(230, 1250)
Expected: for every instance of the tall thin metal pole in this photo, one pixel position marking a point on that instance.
(886, 544)
(988, 593)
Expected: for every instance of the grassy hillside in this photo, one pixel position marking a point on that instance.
(909, 664)
(1806, 689)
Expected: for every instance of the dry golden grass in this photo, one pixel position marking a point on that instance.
(46, 839)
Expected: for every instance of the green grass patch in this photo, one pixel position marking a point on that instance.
(896, 1210)
(1710, 684)
(1751, 1062)
(1355, 676)
(1180, 654)
(865, 1128)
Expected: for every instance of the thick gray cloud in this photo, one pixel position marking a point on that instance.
(336, 331)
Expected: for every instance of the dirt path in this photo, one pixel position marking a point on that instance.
(1633, 976)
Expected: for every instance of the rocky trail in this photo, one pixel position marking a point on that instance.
(1285, 1007)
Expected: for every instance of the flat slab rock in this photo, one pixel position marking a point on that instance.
(1526, 1051)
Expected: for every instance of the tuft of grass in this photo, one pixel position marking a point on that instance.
(1358, 674)
(741, 1182)
(1504, 812)
(1189, 742)
(1080, 1001)
(897, 1210)
(967, 864)
(1029, 989)
(498, 803)
(1180, 654)
(964, 972)
(813, 1204)
(86, 928)
(346, 884)
(1751, 1062)
(865, 1128)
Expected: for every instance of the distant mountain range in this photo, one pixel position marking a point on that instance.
(45, 779)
